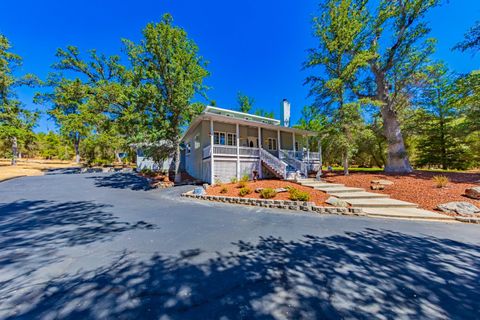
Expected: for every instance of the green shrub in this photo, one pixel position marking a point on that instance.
(218, 182)
(233, 180)
(148, 172)
(244, 191)
(224, 190)
(241, 184)
(297, 195)
(268, 193)
(440, 181)
(245, 178)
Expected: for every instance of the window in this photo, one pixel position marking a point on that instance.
(187, 148)
(231, 139)
(197, 141)
(272, 144)
(296, 145)
(219, 138)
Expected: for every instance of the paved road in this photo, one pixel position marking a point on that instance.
(102, 246)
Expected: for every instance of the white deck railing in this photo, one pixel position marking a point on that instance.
(220, 150)
(274, 162)
(299, 165)
(302, 155)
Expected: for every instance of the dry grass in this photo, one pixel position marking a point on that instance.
(30, 167)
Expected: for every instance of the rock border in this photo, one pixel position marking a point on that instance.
(279, 204)
(468, 219)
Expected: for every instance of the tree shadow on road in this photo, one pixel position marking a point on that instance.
(32, 232)
(365, 275)
(121, 181)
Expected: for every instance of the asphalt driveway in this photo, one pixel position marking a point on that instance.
(103, 246)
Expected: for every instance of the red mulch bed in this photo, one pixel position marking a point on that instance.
(416, 187)
(315, 195)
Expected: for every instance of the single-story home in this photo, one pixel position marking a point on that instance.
(221, 144)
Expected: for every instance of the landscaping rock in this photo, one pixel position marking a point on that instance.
(278, 190)
(205, 186)
(336, 202)
(377, 187)
(258, 190)
(382, 182)
(473, 192)
(199, 191)
(459, 207)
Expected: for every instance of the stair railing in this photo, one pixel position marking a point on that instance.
(274, 162)
(297, 164)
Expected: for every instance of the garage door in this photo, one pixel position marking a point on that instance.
(225, 170)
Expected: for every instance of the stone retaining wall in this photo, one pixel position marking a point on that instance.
(279, 204)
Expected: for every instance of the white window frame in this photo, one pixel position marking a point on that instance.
(272, 144)
(233, 136)
(219, 134)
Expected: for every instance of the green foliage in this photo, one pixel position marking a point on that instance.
(268, 193)
(245, 103)
(218, 182)
(297, 195)
(16, 122)
(166, 73)
(233, 180)
(242, 184)
(471, 41)
(224, 190)
(245, 178)
(244, 191)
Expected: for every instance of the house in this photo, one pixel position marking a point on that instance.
(221, 144)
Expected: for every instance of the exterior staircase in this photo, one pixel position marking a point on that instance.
(276, 166)
(374, 204)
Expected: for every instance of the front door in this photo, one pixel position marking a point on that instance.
(252, 142)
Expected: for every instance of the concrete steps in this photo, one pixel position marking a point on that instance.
(338, 189)
(406, 213)
(358, 195)
(380, 203)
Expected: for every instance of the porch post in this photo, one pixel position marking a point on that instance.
(319, 173)
(294, 148)
(260, 170)
(308, 148)
(279, 144)
(212, 164)
(238, 150)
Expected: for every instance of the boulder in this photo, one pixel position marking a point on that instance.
(336, 202)
(473, 192)
(382, 182)
(377, 187)
(459, 207)
(258, 190)
(278, 190)
(199, 191)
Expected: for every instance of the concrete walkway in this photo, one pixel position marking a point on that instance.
(375, 204)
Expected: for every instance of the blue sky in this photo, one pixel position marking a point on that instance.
(256, 47)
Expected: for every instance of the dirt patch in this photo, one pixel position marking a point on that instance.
(232, 190)
(416, 187)
(30, 167)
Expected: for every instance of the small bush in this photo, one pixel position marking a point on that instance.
(148, 172)
(218, 182)
(245, 178)
(224, 190)
(297, 195)
(244, 191)
(268, 193)
(233, 180)
(242, 184)
(440, 181)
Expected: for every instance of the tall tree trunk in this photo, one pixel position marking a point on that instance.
(117, 157)
(76, 145)
(14, 151)
(397, 157)
(345, 163)
(178, 176)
